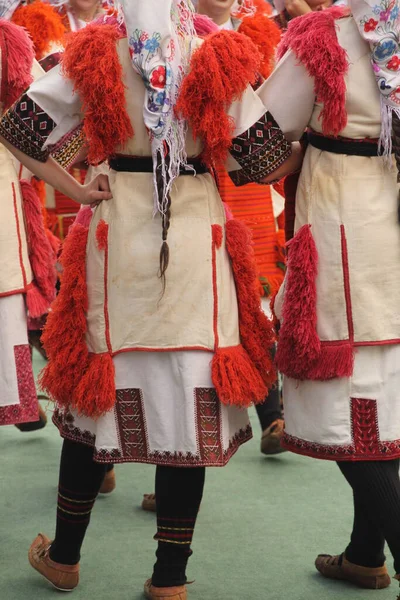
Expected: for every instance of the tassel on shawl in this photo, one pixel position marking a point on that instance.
(41, 255)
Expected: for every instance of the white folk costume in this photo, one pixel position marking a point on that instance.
(25, 272)
(339, 340)
(146, 373)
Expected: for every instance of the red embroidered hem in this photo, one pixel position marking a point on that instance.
(388, 450)
(166, 459)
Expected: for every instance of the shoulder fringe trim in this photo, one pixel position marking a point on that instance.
(44, 24)
(301, 355)
(314, 41)
(41, 254)
(73, 377)
(16, 62)
(107, 125)
(221, 69)
(266, 35)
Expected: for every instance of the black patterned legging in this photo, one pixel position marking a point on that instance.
(179, 492)
(376, 492)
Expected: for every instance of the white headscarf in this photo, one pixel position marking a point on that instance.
(379, 24)
(160, 33)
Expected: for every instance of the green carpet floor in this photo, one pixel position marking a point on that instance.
(262, 522)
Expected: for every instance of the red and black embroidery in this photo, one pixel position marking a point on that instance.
(27, 409)
(366, 444)
(27, 127)
(209, 425)
(132, 424)
(259, 151)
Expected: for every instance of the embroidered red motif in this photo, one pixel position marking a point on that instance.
(132, 424)
(209, 425)
(27, 409)
(366, 444)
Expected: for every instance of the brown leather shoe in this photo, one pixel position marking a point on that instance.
(169, 593)
(271, 438)
(338, 567)
(64, 577)
(149, 503)
(109, 483)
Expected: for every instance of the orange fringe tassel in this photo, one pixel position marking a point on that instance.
(236, 379)
(221, 70)
(266, 35)
(256, 330)
(107, 124)
(102, 235)
(44, 24)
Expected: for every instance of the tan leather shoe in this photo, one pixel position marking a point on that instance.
(109, 483)
(172, 593)
(64, 577)
(149, 503)
(271, 438)
(338, 567)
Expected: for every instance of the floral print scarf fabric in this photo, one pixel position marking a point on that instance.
(160, 33)
(379, 25)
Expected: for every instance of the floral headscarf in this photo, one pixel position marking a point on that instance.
(160, 33)
(379, 24)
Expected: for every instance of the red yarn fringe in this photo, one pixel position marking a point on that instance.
(256, 330)
(266, 35)
(96, 393)
(64, 336)
(41, 255)
(299, 346)
(102, 235)
(44, 24)
(17, 58)
(73, 377)
(221, 70)
(313, 39)
(236, 379)
(203, 25)
(107, 124)
(217, 235)
(335, 360)
(84, 216)
(260, 6)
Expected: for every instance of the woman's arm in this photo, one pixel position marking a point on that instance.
(51, 172)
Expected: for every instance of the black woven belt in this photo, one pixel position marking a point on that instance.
(144, 164)
(340, 146)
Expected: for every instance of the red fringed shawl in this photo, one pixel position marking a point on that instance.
(314, 41)
(16, 62)
(107, 124)
(221, 70)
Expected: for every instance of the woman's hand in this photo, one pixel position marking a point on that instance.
(296, 8)
(95, 192)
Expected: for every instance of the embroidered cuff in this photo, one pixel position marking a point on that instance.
(67, 149)
(259, 151)
(27, 127)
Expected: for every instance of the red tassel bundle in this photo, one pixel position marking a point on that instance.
(266, 35)
(41, 255)
(299, 345)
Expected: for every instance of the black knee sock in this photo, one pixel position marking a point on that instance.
(79, 484)
(376, 486)
(178, 495)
